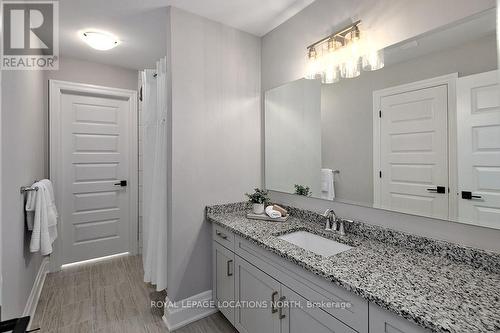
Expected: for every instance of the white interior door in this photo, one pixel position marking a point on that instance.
(95, 154)
(414, 152)
(478, 116)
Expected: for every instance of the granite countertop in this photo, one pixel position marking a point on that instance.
(437, 285)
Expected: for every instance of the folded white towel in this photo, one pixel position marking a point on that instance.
(272, 213)
(53, 215)
(327, 184)
(30, 208)
(45, 219)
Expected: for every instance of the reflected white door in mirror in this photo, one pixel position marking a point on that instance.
(437, 160)
(478, 114)
(410, 138)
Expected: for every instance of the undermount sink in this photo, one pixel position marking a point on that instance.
(317, 244)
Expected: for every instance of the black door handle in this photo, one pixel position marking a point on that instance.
(467, 195)
(229, 269)
(438, 189)
(122, 183)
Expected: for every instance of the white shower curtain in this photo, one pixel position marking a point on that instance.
(154, 115)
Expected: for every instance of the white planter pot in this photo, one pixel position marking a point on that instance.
(258, 208)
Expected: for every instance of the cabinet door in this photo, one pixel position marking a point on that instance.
(255, 291)
(298, 317)
(223, 279)
(383, 321)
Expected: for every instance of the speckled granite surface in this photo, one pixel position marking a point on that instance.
(438, 285)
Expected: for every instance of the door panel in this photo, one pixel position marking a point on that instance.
(253, 285)
(224, 279)
(414, 151)
(299, 318)
(478, 116)
(95, 155)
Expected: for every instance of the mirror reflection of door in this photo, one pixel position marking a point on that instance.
(478, 114)
(414, 152)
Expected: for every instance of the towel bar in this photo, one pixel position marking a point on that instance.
(25, 189)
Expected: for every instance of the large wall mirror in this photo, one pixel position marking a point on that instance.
(419, 136)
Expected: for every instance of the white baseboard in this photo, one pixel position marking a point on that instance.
(30, 308)
(180, 314)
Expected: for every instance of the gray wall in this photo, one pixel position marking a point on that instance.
(81, 71)
(1, 201)
(283, 60)
(347, 109)
(215, 145)
(23, 154)
(293, 136)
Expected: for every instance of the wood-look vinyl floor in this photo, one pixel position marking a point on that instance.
(108, 296)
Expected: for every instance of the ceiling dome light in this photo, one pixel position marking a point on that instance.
(99, 40)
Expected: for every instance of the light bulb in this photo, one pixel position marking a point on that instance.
(351, 68)
(332, 70)
(331, 75)
(373, 60)
(313, 64)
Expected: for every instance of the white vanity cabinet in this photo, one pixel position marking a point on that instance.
(284, 312)
(302, 319)
(259, 290)
(223, 277)
(275, 295)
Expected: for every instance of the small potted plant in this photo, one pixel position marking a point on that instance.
(258, 200)
(302, 190)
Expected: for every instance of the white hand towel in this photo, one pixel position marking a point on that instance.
(327, 184)
(30, 208)
(53, 215)
(272, 213)
(45, 220)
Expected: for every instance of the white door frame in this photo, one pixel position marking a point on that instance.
(56, 88)
(450, 80)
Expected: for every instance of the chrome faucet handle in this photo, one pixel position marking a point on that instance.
(327, 225)
(335, 224)
(326, 214)
(342, 228)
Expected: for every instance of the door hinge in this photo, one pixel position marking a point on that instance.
(380, 174)
(380, 113)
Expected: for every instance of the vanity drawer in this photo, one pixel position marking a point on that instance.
(223, 237)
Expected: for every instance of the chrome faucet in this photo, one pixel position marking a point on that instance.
(331, 220)
(333, 223)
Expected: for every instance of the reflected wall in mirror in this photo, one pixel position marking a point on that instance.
(420, 136)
